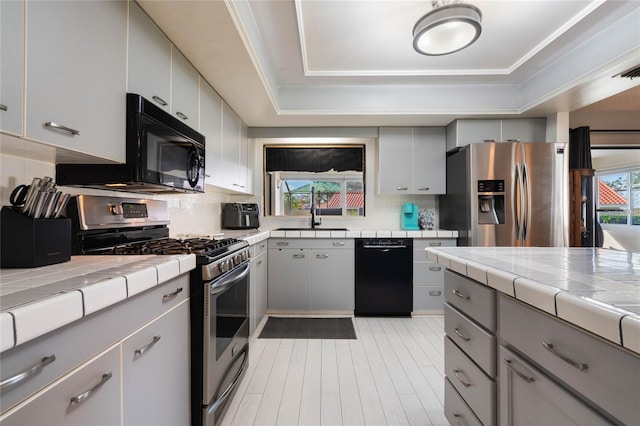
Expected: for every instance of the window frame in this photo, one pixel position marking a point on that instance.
(631, 205)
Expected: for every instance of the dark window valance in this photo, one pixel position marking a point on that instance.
(298, 159)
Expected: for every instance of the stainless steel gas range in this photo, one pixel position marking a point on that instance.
(219, 299)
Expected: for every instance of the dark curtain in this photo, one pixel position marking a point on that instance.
(314, 159)
(579, 148)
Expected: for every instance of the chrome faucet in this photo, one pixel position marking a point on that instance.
(313, 209)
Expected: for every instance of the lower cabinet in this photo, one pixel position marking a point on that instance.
(88, 395)
(311, 275)
(155, 370)
(258, 279)
(428, 277)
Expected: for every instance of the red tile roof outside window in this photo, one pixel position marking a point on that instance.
(608, 196)
(354, 199)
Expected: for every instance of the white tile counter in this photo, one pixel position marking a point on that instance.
(596, 289)
(35, 301)
(320, 233)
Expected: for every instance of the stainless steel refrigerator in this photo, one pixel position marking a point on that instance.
(507, 194)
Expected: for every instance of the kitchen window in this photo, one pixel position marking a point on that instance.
(619, 197)
(335, 173)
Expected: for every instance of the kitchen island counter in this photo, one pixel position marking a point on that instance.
(595, 289)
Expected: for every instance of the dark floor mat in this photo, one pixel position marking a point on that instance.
(308, 328)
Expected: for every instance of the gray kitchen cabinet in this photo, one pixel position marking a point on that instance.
(88, 395)
(258, 285)
(528, 397)
(11, 65)
(149, 65)
(463, 132)
(76, 75)
(155, 371)
(234, 167)
(311, 275)
(184, 89)
(428, 277)
(211, 128)
(411, 160)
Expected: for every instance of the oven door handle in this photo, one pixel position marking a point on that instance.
(229, 280)
(223, 397)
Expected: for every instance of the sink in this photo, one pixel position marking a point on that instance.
(311, 229)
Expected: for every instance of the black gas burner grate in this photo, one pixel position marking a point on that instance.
(165, 246)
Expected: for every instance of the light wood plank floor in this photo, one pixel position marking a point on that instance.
(391, 375)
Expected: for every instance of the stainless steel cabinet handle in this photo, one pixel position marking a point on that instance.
(435, 293)
(170, 296)
(424, 188)
(338, 243)
(460, 295)
(27, 372)
(298, 256)
(63, 128)
(462, 336)
(401, 188)
(457, 417)
(260, 262)
(522, 376)
(488, 140)
(261, 246)
(459, 377)
(159, 100)
(435, 244)
(182, 115)
(322, 256)
(435, 268)
(282, 243)
(143, 349)
(580, 366)
(78, 399)
(3, 107)
(513, 140)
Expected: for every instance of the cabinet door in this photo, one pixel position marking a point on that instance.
(76, 75)
(289, 280)
(11, 65)
(429, 160)
(149, 59)
(156, 371)
(184, 89)
(332, 283)
(528, 397)
(524, 129)
(258, 291)
(230, 149)
(89, 395)
(211, 128)
(395, 160)
(244, 174)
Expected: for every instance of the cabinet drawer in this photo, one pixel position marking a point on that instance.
(428, 274)
(472, 339)
(455, 409)
(478, 390)
(258, 248)
(419, 244)
(474, 299)
(427, 298)
(605, 374)
(528, 397)
(311, 243)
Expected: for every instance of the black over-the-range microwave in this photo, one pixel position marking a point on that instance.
(163, 154)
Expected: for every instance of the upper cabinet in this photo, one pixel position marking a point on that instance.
(76, 75)
(11, 65)
(184, 89)
(412, 160)
(233, 172)
(464, 132)
(149, 59)
(211, 128)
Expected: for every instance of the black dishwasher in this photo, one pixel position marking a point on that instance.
(384, 276)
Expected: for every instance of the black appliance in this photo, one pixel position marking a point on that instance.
(219, 298)
(163, 155)
(384, 276)
(241, 216)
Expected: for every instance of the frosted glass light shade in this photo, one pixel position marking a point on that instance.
(447, 29)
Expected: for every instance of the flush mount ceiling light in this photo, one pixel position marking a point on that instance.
(449, 27)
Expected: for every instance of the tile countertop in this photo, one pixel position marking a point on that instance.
(596, 289)
(256, 235)
(35, 301)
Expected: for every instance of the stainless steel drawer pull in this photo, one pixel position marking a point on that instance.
(460, 295)
(170, 296)
(143, 349)
(424, 188)
(159, 100)
(457, 417)
(435, 268)
(298, 256)
(182, 115)
(282, 243)
(580, 366)
(435, 293)
(322, 256)
(488, 140)
(522, 376)
(513, 140)
(261, 246)
(3, 107)
(260, 262)
(78, 399)
(401, 188)
(63, 128)
(27, 372)
(462, 336)
(459, 377)
(338, 243)
(435, 244)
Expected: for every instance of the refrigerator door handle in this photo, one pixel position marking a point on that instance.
(527, 196)
(517, 201)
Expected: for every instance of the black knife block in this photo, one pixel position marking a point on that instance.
(29, 242)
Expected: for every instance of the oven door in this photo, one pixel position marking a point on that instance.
(226, 337)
